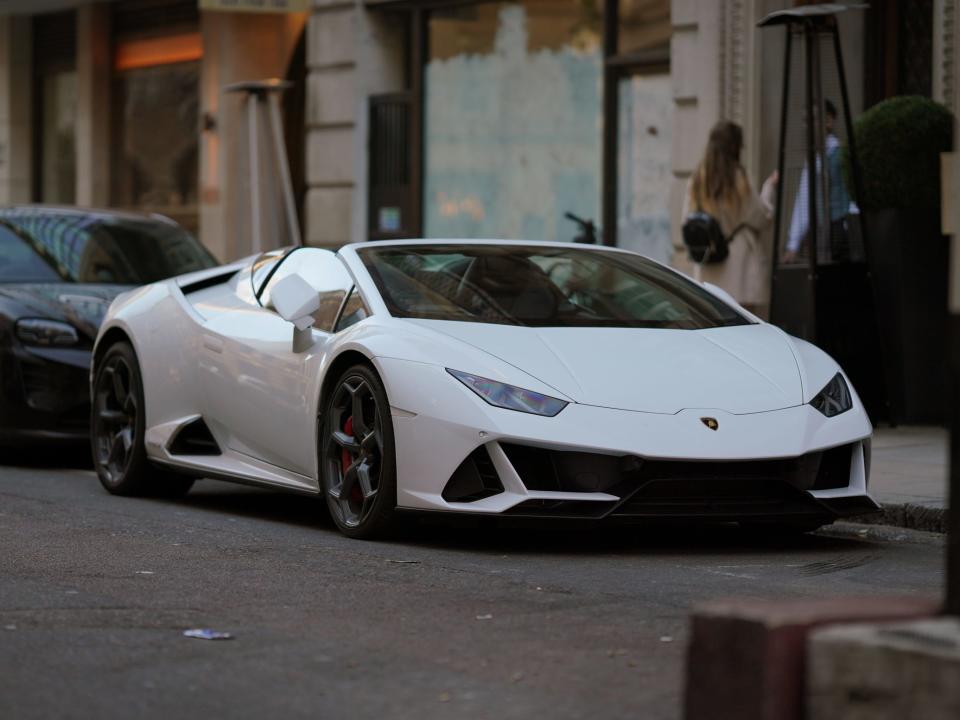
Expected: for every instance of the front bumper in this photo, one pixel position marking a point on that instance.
(630, 464)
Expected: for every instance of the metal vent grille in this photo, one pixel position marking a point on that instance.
(389, 130)
(392, 186)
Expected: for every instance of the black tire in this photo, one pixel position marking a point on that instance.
(117, 426)
(356, 459)
(784, 528)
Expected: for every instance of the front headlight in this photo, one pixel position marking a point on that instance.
(36, 331)
(510, 397)
(834, 398)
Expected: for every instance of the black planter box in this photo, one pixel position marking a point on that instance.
(908, 259)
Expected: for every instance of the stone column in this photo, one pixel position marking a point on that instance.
(94, 69)
(16, 103)
(332, 100)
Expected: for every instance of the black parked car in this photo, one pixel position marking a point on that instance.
(60, 268)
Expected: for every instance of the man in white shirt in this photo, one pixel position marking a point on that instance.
(832, 248)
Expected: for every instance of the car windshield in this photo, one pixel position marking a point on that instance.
(38, 247)
(540, 287)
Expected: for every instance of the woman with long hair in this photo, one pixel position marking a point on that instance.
(719, 187)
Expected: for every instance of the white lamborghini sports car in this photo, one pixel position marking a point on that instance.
(500, 378)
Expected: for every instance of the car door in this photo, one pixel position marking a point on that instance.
(260, 394)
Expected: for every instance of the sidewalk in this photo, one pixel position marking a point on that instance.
(908, 476)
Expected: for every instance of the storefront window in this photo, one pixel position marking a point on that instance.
(156, 96)
(513, 119)
(58, 160)
(643, 164)
(54, 59)
(643, 25)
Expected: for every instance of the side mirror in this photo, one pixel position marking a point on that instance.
(296, 301)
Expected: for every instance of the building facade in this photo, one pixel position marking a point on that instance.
(121, 104)
(419, 117)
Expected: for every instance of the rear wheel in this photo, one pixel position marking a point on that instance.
(117, 427)
(356, 454)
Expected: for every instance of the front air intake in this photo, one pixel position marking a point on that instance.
(476, 478)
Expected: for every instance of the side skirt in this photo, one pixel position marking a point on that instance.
(202, 473)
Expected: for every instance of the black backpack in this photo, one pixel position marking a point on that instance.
(704, 239)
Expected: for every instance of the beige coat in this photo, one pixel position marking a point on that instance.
(745, 274)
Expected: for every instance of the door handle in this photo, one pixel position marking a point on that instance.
(213, 344)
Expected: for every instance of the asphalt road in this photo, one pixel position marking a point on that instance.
(446, 621)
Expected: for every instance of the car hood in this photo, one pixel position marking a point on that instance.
(82, 305)
(742, 369)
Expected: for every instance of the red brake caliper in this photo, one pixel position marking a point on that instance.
(356, 494)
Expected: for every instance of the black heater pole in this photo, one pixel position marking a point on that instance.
(811, 114)
(781, 158)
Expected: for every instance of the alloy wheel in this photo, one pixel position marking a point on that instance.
(116, 413)
(354, 450)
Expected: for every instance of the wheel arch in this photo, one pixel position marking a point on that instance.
(109, 338)
(346, 358)
(341, 362)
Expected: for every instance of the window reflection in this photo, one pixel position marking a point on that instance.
(155, 156)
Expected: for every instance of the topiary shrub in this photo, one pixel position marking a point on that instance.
(899, 142)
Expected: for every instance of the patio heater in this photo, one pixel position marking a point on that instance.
(263, 97)
(821, 288)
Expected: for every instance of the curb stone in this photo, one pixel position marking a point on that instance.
(881, 533)
(909, 516)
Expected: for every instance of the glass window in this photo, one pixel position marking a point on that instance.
(156, 136)
(58, 160)
(540, 287)
(263, 266)
(55, 83)
(644, 172)
(325, 272)
(20, 263)
(354, 310)
(512, 113)
(90, 249)
(643, 25)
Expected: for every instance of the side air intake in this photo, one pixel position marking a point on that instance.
(194, 438)
(475, 479)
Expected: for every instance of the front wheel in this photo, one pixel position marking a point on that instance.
(356, 455)
(117, 426)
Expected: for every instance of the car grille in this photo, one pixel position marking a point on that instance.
(727, 497)
(677, 488)
(55, 388)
